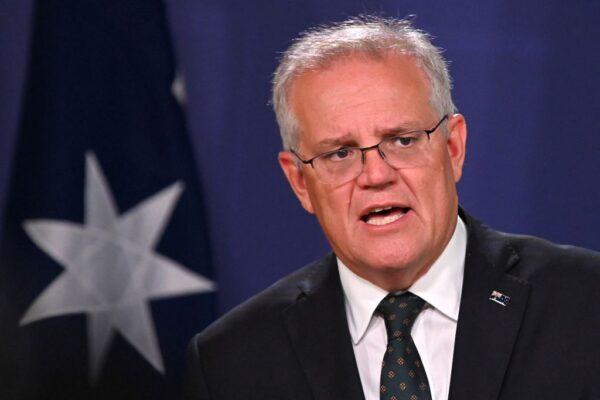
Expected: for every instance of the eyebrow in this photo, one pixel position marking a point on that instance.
(344, 140)
(335, 142)
(407, 126)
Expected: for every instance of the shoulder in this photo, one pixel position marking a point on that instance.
(251, 342)
(542, 260)
(533, 259)
(541, 251)
(262, 312)
(557, 269)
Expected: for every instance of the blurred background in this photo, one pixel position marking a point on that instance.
(178, 91)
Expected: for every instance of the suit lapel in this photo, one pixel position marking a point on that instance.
(486, 330)
(318, 330)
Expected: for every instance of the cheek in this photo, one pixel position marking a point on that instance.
(431, 188)
(332, 207)
(444, 197)
(320, 199)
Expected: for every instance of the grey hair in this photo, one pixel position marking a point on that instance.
(369, 35)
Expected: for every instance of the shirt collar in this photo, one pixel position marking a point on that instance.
(440, 287)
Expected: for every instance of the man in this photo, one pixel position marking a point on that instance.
(418, 299)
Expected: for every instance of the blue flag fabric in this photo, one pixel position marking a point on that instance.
(105, 264)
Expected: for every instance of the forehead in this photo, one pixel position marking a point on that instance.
(357, 94)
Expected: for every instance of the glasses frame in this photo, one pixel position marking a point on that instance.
(428, 132)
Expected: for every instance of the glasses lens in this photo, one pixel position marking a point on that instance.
(338, 166)
(407, 150)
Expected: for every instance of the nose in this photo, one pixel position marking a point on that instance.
(376, 172)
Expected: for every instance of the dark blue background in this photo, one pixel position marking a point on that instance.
(99, 80)
(526, 78)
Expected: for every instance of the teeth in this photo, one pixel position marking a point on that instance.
(388, 219)
(381, 209)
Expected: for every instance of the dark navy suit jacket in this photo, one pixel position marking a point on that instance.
(292, 340)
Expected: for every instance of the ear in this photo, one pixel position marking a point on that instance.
(296, 179)
(457, 142)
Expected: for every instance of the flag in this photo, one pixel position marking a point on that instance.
(105, 263)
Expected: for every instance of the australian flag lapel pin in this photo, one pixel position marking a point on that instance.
(499, 298)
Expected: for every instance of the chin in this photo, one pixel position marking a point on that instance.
(385, 261)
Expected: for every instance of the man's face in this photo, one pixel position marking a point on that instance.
(356, 101)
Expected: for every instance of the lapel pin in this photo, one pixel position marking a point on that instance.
(499, 298)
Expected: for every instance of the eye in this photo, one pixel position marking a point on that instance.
(403, 141)
(338, 155)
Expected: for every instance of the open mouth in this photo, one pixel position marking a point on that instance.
(384, 215)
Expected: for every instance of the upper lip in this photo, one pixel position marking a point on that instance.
(379, 206)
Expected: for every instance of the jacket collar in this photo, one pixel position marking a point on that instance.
(487, 329)
(318, 330)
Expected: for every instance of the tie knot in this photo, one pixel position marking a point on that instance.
(399, 313)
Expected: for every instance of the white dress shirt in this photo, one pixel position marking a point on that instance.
(433, 331)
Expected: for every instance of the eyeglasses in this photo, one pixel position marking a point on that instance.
(404, 150)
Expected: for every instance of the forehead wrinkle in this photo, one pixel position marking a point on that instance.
(339, 126)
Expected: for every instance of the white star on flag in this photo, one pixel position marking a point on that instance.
(111, 268)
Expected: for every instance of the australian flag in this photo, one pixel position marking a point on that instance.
(105, 266)
(499, 298)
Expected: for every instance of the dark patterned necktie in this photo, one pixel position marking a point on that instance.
(402, 374)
